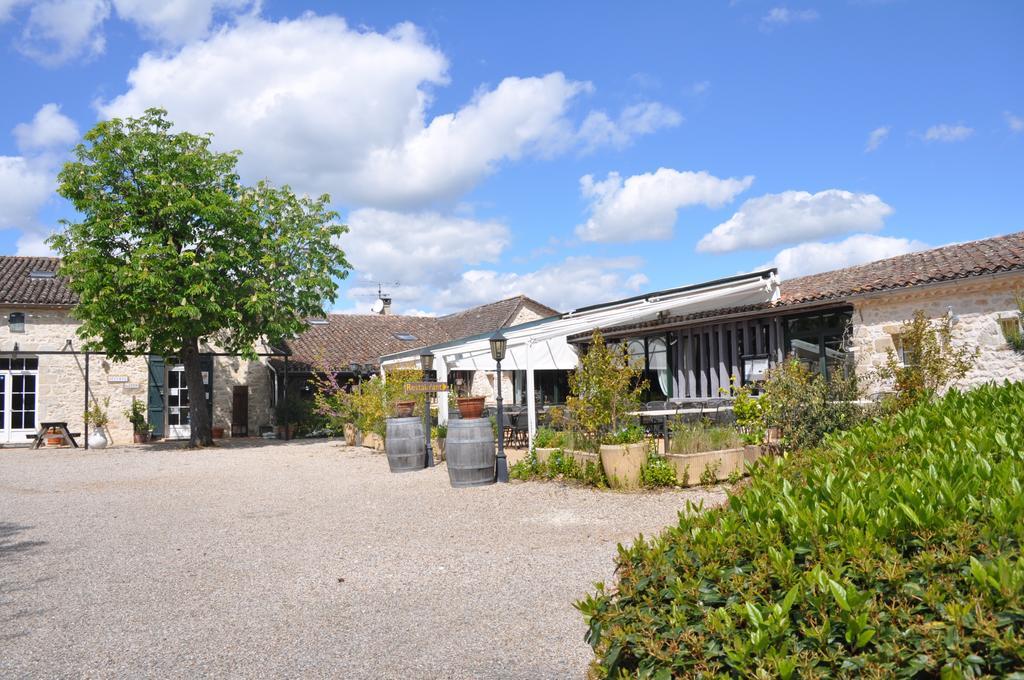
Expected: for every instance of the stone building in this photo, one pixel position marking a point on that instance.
(845, 317)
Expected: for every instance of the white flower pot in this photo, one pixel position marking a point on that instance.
(97, 440)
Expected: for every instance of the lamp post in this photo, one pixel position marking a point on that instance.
(427, 364)
(498, 346)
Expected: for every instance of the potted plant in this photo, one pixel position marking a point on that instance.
(54, 437)
(286, 415)
(606, 389)
(96, 417)
(471, 407)
(404, 408)
(136, 415)
(217, 431)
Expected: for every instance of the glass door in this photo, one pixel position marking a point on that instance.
(18, 385)
(177, 404)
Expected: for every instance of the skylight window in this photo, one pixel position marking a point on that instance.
(40, 274)
(405, 337)
(318, 322)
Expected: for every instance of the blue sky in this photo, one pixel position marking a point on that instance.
(571, 152)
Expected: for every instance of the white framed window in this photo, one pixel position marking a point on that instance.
(903, 353)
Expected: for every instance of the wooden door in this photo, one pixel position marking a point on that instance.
(240, 411)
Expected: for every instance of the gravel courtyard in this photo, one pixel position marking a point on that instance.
(299, 560)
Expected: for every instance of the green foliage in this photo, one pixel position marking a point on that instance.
(546, 438)
(895, 550)
(805, 406)
(631, 434)
(136, 415)
(368, 404)
(750, 417)
(439, 432)
(735, 476)
(700, 437)
(96, 415)
(658, 472)
(605, 388)
(1013, 335)
(709, 475)
(172, 251)
(934, 361)
(560, 465)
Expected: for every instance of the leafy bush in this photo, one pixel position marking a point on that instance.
(631, 434)
(605, 388)
(560, 464)
(806, 406)
(439, 432)
(699, 437)
(750, 417)
(369, 404)
(895, 550)
(933, 360)
(658, 472)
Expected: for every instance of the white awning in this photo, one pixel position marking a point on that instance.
(543, 344)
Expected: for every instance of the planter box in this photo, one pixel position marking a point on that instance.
(690, 467)
(622, 464)
(544, 455)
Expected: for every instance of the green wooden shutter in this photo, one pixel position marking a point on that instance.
(156, 395)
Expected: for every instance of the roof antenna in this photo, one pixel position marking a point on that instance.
(382, 305)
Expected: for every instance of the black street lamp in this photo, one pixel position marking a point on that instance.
(498, 346)
(427, 364)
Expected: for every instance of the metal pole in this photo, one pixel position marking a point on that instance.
(426, 430)
(501, 465)
(284, 403)
(86, 399)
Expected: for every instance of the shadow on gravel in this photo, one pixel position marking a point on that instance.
(11, 614)
(8, 546)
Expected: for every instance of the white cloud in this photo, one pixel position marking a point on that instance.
(1016, 123)
(419, 249)
(325, 107)
(815, 257)
(599, 130)
(645, 206)
(24, 188)
(793, 216)
(948, 133)
(179, 21)
(49, 128)
(701, 87)
(57, 31)
(781, 16)
(592, 280)
(876, 138)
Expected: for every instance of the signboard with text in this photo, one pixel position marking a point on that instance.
(425, 387)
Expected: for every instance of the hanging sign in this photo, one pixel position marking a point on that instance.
(425, 387)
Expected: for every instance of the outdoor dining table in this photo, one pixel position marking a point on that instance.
(44, 430)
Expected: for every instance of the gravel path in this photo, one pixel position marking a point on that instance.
(299, 560)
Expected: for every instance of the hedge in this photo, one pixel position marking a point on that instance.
(893, 550)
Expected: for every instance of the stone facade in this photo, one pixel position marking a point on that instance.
(60, 391)
(977, 305)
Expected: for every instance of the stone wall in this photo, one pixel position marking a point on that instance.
(976, 306)
(60, 393)
(61, 378)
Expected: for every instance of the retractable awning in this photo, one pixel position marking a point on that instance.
(543, 344)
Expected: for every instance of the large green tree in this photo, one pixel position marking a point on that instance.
(173, 252)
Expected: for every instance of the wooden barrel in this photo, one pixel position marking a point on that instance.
(404, 444)
(470, 452)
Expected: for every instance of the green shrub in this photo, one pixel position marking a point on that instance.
(658, 472)
(561, 464)
(699, 437)
(895, 550)
(546, 438)
(632, 434)
(604, 390)
(439, 432)
(806, 406)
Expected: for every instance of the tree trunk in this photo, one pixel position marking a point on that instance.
(200, 430)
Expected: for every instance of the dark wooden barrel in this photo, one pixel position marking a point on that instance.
(404, 444)
(470, 452)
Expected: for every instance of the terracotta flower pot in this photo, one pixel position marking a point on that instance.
(471, 407)
(403, 409)
(54, 441)
(140, 437)
(218, 432)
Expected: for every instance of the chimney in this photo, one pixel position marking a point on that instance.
(386, 309)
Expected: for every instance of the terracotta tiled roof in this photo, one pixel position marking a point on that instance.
(364, 338)
(490, 317)
(957, 261)
(948, 263)
(17, 287)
